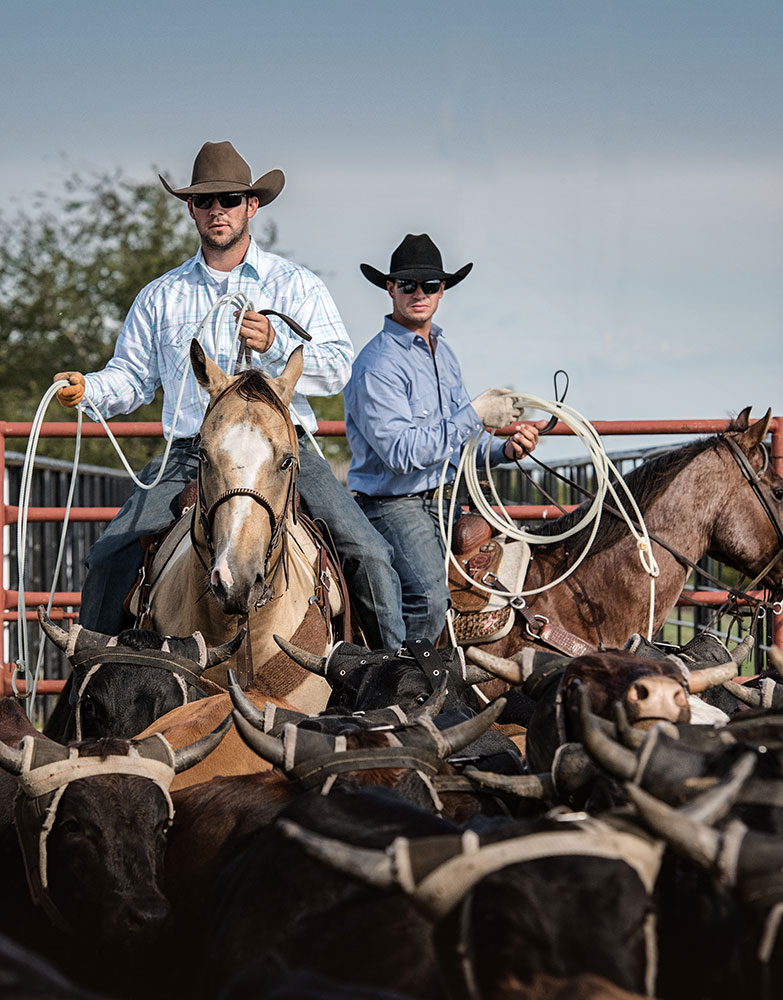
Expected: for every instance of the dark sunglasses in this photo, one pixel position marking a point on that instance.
(203, 201)
(408, 286)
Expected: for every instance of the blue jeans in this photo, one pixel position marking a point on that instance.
(366, 557)
(410, 525)
(115, 559)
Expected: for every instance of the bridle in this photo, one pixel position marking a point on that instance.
(278, 522)
(764, 492)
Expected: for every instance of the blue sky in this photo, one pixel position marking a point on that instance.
(614, 169)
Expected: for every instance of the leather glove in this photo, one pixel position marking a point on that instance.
(70, 395)
(498, 407)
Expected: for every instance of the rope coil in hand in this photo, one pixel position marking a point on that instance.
(502, 522)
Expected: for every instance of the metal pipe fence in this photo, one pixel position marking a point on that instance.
(100, 493)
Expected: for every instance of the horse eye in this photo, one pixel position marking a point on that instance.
(778, 493)
(421, 699)
(88, 706)
(203, 457)
(287, 462)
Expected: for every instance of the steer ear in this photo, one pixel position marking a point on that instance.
(208, 374)
(285, 383)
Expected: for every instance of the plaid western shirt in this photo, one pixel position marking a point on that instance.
(153, 346)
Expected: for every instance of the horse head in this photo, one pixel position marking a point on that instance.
(248, 461)
(750, 536)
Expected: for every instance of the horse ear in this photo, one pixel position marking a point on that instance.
(755, 434)
(212, 378)
(285, 383)
(742, 421)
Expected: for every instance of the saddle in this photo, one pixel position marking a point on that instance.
(492, 561)
(160, 546)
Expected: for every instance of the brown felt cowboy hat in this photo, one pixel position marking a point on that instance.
(416, 257)
(219, 167)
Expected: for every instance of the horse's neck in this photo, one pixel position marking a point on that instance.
(607, 597)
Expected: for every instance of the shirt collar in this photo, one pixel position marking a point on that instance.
(252, 260)
(405, 336)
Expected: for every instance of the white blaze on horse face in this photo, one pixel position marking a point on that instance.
(246, 449)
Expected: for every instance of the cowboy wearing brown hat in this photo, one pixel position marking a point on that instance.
(152, 351)
(407, 412)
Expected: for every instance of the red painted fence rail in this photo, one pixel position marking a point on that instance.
(9, 513)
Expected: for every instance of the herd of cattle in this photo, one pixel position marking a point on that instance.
(541, 827)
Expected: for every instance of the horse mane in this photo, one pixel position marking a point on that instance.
(254, 385)
(646, 482)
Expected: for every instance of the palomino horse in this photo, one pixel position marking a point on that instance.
(247, 554)
(696, 499)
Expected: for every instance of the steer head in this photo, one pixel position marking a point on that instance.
(120, 684)
(91, 821)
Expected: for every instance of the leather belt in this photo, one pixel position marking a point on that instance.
(448, 490)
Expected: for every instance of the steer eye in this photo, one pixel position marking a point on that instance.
(70, 825)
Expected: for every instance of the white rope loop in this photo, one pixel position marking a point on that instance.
(230, 301)
(502, 522)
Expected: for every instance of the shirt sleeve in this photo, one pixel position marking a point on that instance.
(405, 440)
(131, 377)
(328, 356)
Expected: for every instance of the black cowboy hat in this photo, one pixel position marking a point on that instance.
(219, 167)
(416, 257)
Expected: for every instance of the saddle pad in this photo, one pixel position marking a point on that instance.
(483, 626)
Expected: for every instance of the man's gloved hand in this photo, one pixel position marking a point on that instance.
(498, 407)
(70, 395)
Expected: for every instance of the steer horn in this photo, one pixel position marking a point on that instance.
(750, 696)
(710, 677)
(373, 867)
(219, 654)
(269, 748)
(315, 664)
(526, 786)
(614, 758)
(507, 670)
(193, 754)
(712, 805)
(10, 759)
(60, 637)
(457, 737)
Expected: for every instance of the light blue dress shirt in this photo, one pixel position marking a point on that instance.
(153, 346)
(406, 412)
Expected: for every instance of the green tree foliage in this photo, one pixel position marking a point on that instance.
(70, 268)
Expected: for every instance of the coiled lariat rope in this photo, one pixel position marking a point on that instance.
(502, 522)
(223, 307)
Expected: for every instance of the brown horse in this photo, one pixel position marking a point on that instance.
(698, 500)
(247, 553)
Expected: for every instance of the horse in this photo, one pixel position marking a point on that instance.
(248, 554)
(699, 501)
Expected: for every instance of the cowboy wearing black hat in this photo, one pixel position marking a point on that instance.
(152, 350)
(406, 412)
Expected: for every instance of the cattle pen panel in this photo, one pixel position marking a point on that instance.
(66, 602)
